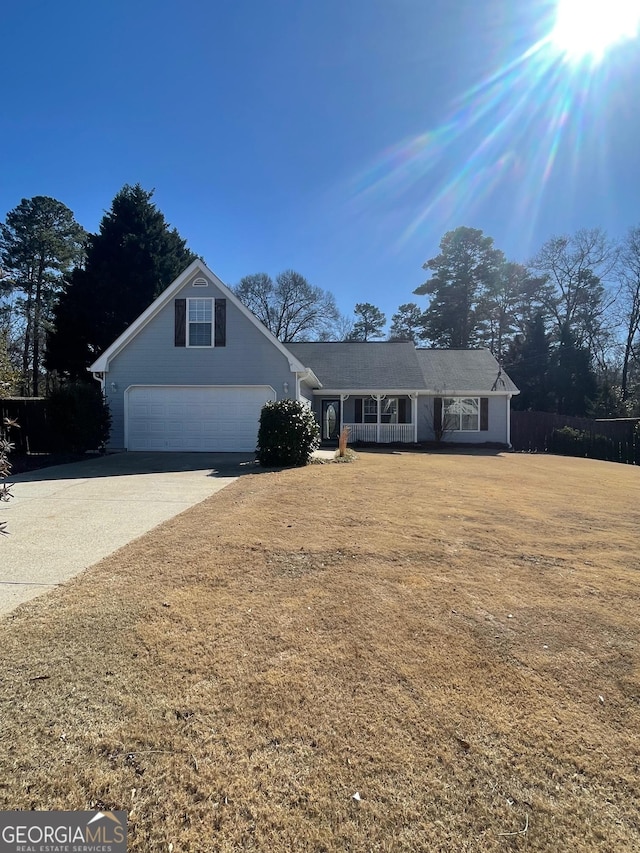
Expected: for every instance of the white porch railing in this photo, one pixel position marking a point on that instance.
(388, 433)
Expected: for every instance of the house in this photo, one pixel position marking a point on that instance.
(194, 370)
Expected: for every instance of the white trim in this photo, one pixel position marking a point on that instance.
(366, 392)
(509, 445)
(101, 364)
(405, 392)
(130, 388)
(414, 416)
(473, 393)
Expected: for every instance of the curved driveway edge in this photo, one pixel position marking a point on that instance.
(65, 518)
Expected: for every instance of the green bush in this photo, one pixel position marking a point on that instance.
(288, 434)
(78, 418)
(574, 442)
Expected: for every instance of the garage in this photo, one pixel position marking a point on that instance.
(194, 418)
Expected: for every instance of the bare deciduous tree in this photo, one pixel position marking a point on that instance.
(290, 307)
(629, 303)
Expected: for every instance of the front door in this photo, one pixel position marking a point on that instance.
(330, 420)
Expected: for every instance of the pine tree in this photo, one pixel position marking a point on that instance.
(407, 324)
(572, 378)
(370, 322)
(39, 243)
(528, 362)
(132, 259)
(463, 272)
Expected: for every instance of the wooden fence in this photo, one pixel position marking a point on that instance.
(534, 432)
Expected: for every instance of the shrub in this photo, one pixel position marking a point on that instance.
(288, 434)
(79, 418)
(574, 442)
(5, 465)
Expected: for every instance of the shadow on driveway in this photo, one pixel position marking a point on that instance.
(129, 463)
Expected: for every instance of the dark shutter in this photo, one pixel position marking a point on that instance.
(357, 403)
(181, 322)
(437, 414)
(484, 414)
(220, 339)
(403, 411)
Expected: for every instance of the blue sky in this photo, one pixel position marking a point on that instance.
(341, 138)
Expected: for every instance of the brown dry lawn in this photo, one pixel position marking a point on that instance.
(453, 636)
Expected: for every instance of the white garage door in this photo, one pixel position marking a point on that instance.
(221, 419)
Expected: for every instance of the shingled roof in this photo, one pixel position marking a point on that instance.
(463, 370)
(362, 365)
(399, 366)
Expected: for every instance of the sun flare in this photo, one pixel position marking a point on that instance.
(587, 29)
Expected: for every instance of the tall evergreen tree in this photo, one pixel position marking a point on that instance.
(572, 380)
(129, 262)
(39, 244)
(407, 324)
(528, 363)
(508, 305)
(463, 272)
(369, 324)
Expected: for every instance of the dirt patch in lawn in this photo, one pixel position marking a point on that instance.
(454, 637)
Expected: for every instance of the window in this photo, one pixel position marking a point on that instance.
(200, 322)
(461, 414)
(389, 411)
(370, 411)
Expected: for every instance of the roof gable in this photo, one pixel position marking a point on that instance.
(101, 364)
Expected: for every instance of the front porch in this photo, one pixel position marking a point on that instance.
(382, 433)
(375, 418)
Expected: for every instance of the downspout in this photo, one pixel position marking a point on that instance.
(300, 377)
(100, 377)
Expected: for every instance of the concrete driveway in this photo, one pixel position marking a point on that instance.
(67, 517)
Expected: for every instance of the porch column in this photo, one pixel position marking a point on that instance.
(378, 397)
(414, 417)
(343, 397)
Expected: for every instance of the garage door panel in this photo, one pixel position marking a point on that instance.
(195, 419)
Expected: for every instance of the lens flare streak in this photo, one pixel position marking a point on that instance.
(507, 132)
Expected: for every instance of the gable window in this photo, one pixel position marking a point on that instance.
(461, 414)
(200, 322)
